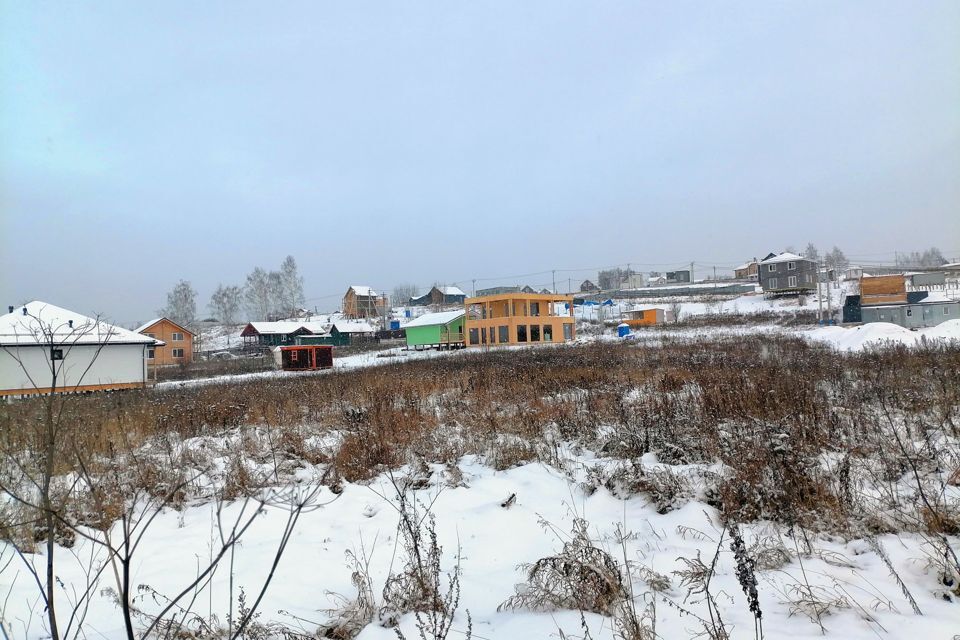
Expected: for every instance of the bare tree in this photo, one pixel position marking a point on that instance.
(225, 303)
(64, 492)
(291, 286)
(811, 253)
(403, 292)
(836, 259)
(181, 304)
(256, 293)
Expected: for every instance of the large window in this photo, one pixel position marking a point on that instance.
(474, 336)
(772, 283)
(483, 335)
(567, 331)
(792, 281)
(534, 333)
(521, 333)
(504, 334)
(534, 308)
(771, 268)
(178, 353)
(177, 337)
(548, 333)
(791, 266)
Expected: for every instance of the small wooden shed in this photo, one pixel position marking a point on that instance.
(306, 357)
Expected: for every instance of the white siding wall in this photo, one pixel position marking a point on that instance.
(115, 364)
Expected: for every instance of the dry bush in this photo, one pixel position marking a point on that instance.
(581, 577)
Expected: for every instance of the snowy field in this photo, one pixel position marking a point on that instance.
(849, 581)
(491, 522)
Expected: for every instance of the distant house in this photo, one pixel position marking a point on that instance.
(787, 273)
(179, 342)
(611, 279)
(439, 296)
(678, 276)
(527, 289)
(497, 291)
(340, 334)
(38, 338)
(363, 302)
(279, 333)
(644, 317)
(587, 287)
(518, 318)
(748, 270)
(883, 290)
(436, 330)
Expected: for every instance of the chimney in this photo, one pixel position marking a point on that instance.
(24, 311)
(70, 323)
(10, 309)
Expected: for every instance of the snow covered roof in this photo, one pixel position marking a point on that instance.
(745, 265)
(43, 321)
(282, 327)
(147, 325)
(429, 319)
(786, 256)
(451, 291)
(354, 327)
(361, 290)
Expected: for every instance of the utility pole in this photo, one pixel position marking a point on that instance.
(829, 300)
(692, 279)
(554, 273)
(819, 292)
(569, 285)
(473, 288)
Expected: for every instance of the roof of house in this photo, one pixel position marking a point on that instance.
(280, 327)
(354, 327)
(786, 256)
(364, 291)
(430, 319)
(451, 291)
(745, 265)
(45, 321)
(147, 325)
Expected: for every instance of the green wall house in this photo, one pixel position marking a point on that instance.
(436, 330)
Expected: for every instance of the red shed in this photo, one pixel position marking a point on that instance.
(306, 357)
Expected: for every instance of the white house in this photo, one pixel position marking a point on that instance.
(44, 348)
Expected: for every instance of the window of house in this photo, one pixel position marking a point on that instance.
(535, 308)
(548, 333)
(771, 268)
(151, 353)
(492, 334)
(178, 353)
(474, 336)
(909, 313)
(534, 333)
(483, 335)
(504, 334)
(294, 356)
(567, 331)
(56, 354)
(946, 311)
(792, 281)
(772, 283)
(521, 333)
(177, 337)
(791, 266)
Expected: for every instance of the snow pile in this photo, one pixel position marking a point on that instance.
(881, 333)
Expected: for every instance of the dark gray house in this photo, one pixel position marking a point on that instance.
(788, 273)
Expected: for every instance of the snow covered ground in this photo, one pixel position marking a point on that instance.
(860, 598)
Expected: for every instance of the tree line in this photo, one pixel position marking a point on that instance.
(265, 295)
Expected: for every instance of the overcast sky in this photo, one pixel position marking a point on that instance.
(428, 142)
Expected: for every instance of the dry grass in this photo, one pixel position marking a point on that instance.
(767, 408)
